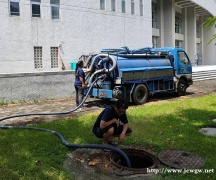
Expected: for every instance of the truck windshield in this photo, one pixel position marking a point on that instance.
(183, 58)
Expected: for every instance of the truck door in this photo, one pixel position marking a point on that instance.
(183, 64)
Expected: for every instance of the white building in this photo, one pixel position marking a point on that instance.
(32, 30)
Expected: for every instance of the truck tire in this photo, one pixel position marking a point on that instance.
(181, 88)
(140, 94)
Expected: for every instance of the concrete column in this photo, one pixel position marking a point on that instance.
(161, 23)
(169, 22)
(209, 50)
(191, 33)
(201, 43)
(184, 13)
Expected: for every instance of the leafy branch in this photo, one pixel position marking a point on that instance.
(208, 24)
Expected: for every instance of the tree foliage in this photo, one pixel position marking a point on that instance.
(208, 24)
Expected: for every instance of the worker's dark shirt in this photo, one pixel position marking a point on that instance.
(108, 114)
(79, 73)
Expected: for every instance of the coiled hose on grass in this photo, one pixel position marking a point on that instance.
(62, 139)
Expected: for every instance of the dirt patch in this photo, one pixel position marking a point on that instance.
(95, 164)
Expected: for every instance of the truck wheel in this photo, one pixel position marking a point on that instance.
(140, 94)
(181, 88)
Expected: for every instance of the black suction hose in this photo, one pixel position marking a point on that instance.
(64, 142)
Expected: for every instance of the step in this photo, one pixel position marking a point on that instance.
(204, 75)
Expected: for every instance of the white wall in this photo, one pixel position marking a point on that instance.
(82, 28)
(25, 87)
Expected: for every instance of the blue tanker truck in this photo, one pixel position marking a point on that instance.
(136, 74)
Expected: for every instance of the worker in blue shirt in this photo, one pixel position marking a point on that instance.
(112, 122)
(79, 82)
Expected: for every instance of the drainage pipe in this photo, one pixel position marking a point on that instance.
(93, 146)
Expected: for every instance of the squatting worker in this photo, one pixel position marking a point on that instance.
(112, 122)
(79, 82)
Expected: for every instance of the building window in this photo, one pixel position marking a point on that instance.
(102, 4)
(178, 44)
(38, 63)
(123, 6)
(154, 15)
(154, 41)
(54, 57)
(132, 7)
(14, 8)
(54, 9)
(178, 23)
(141, 7)
(113, 8)
(35, 5)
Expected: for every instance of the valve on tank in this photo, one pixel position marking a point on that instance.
(117, 93)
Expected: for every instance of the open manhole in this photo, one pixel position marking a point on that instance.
(181, 159)
(140, 160)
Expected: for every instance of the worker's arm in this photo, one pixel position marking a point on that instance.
(123, 133)
(82, 81)
(104, 124)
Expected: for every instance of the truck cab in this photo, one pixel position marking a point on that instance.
(182, 68)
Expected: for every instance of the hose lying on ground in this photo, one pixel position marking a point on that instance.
(64, 142)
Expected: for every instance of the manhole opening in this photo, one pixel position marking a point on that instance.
(139, 159)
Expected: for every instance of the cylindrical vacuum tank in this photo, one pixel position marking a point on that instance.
(141, 62)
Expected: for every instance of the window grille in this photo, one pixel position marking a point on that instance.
(35, 5)
(54, 57)
(132, 7)
(38, 57)
(178, 23)
(123, 6)
(54, 9)
(102, 4)
(141, 7)
(154, 15)
(14, 8)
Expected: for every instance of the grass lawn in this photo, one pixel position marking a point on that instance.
(29, 154)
